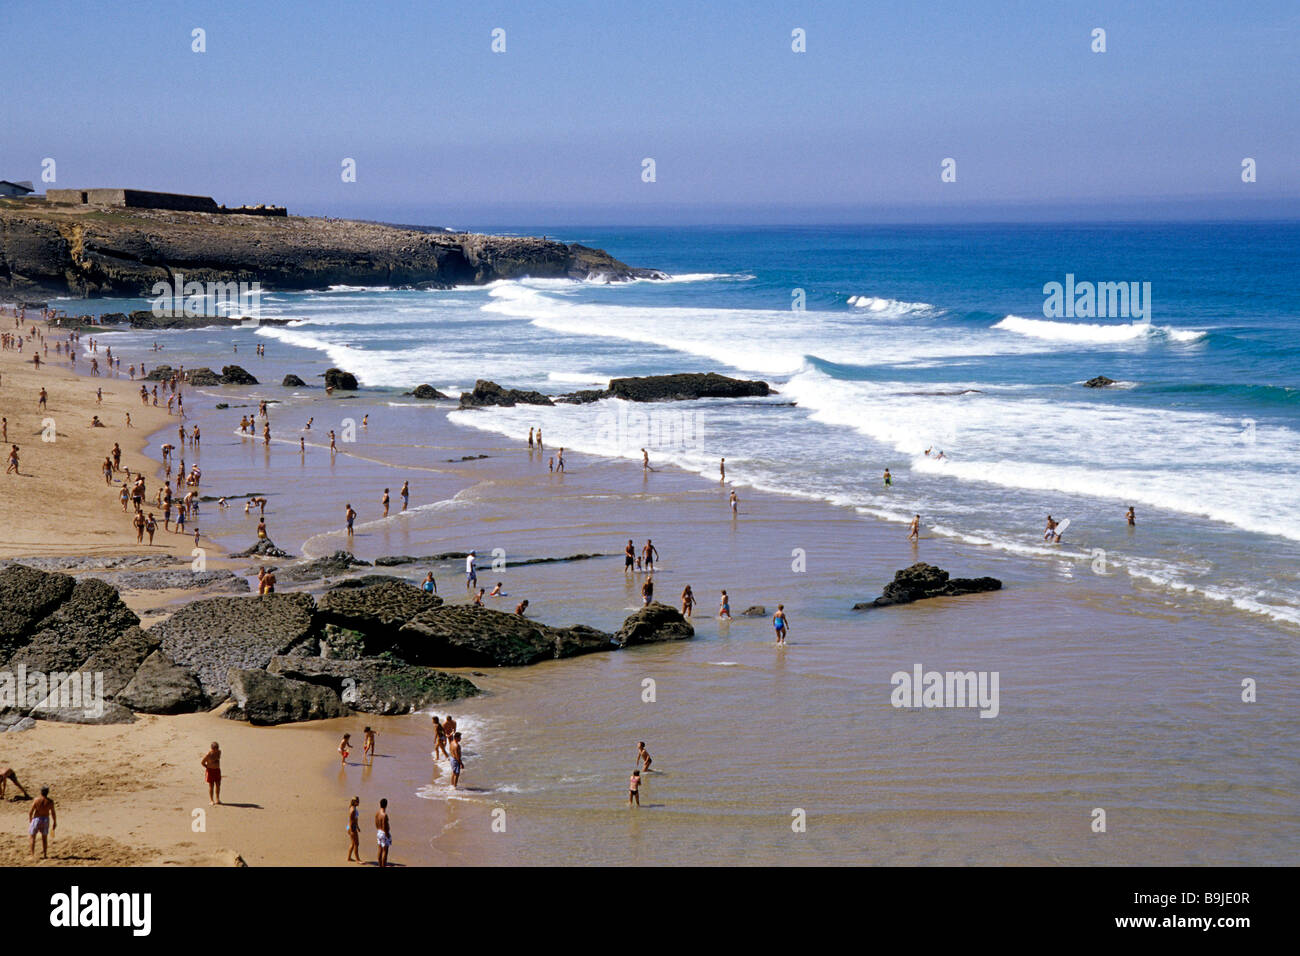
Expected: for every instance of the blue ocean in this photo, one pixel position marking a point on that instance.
(887, 345)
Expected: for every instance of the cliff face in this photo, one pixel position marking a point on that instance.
(50, 248)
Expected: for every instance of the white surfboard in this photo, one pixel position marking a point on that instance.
(1060, 528)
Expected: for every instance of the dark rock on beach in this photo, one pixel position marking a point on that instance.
(264, 548)
(653, 624)
(754, 610)
(341, 380)
(1099, 381)
(217, 634)
(922, 581)
(264, 698)
(161, 686)
(462, 635)
(91, 617)
(202, 377)
(376, 685)
(180, 578)
(27, 595)
(293, 381)
(426, 392)
(378, 611)
(119, 661)
(234, 375)
(661, 388)
(340, 562)
(490, 393)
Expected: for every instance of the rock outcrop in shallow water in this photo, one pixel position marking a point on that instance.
(53, 248)
(336, 378)
(1099, 381)
(922, 581)
(490, 393)
(672, 388)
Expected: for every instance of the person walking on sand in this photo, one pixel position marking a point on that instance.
(354, 831)
(688, 601)
(345, 749)
(383, 831)
(211, 764)
(914, 529)
(634, 789)
(457, 760)
(41, 818)
(781, 623)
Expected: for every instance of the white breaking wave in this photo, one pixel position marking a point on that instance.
(1092, 333)
(890, 308)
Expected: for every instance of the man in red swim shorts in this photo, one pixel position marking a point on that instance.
(212, 772)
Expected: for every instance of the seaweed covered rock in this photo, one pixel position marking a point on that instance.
(463, 635)
(376, 610)
(376, 685)
(653, 624)
(264, 698)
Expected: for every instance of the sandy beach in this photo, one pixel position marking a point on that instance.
(743, 734)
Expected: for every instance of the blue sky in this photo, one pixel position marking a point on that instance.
(739, 126)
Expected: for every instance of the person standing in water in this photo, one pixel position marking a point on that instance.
(722, 470)
(648, 590)
(724, 608)
(645, 460)
(1131, 517)
(735, 503)
(889, 479)
(781, 623)
(914, 529)
(688, 601)
(405, 493)
(1050, 531)
(629, 556)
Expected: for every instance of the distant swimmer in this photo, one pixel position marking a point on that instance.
(724, 609)
(1131, 517)
(781, 623)
(889, 479)
(307, 427)
(914, 529)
